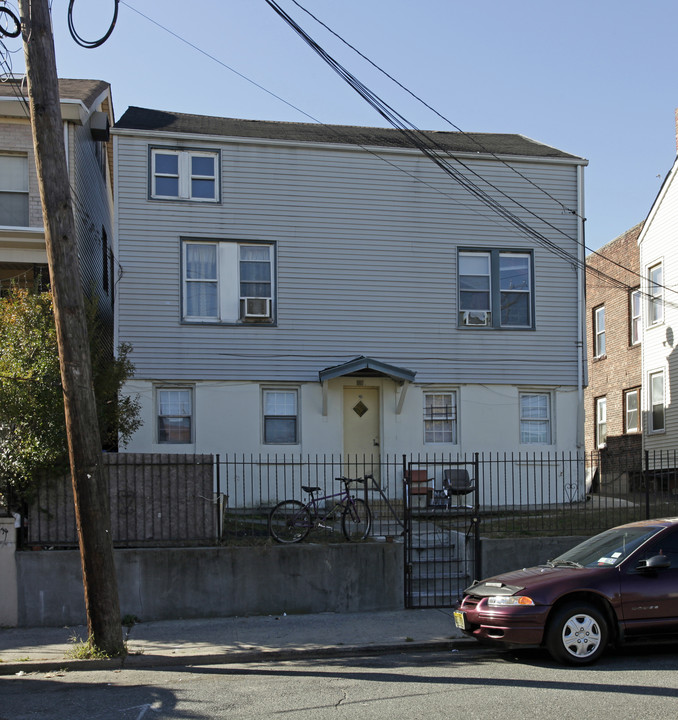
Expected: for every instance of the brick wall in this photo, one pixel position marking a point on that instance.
(620, 368)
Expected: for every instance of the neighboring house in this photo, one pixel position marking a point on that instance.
(659, 268)
(305, 289)
(614, 334)
(87, 113)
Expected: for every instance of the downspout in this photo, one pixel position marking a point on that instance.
(582, 367)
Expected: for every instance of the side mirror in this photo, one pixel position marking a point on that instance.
(656, 562)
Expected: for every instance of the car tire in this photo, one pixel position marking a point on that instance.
(577, 634)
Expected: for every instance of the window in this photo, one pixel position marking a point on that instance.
(656, 401)
(535, 418)
(635, 313)
(440, 417)
(280, 417)
(599, 331)
(175, 415)
(14, 190)
(601, 421)
(655, 310)
(495, 289)
(631, 411)
(185, 175)
(227, 282)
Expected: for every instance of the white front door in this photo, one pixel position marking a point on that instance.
(361, 431)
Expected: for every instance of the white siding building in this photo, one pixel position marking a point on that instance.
(307, 289)
(659, 268)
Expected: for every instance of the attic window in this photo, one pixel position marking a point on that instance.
(185, 175)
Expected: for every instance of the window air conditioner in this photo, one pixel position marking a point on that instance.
(475, 317)
(254, 307)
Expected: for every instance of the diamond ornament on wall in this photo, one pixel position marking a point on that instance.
(360, 409)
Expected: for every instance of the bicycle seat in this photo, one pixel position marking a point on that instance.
(309, 489)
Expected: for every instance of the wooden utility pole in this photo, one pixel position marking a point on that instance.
(84, 446)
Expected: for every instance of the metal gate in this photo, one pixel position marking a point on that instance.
(442, 533)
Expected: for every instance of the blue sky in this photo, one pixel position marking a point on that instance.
(596, 78)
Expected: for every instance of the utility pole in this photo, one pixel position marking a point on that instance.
(84, 446)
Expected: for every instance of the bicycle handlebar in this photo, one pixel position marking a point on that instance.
(345, 479)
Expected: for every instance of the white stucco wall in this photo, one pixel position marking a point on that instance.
(228, 419)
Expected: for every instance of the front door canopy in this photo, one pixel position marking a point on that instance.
(367, 367)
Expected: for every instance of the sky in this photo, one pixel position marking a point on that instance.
(595, 78)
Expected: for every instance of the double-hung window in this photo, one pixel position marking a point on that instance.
(632, 411)
(14, 190)
(635, 315)
(185, 174)
(656, 392)
(281, 425)
(599, 331)
(495, 289)
(535, 418)
(440, 417)
(227, 281)
(655, 289)
(601, 421)
(175, 415)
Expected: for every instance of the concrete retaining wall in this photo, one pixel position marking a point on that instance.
(170, 583)
(159, 584)
(9, 611)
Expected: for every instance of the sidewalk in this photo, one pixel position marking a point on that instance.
(236, 639)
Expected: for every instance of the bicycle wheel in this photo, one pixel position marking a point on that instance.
(356, 520)
(289, 521)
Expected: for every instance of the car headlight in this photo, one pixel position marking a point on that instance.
(508, 600)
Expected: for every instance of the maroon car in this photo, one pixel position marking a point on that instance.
(619, 586)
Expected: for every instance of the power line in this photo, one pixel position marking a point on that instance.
(470, 136)
(441, 162)
(90, 44)
(429, 147)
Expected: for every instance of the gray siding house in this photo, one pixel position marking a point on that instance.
(307, 289)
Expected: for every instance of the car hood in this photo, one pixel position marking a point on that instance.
(546, 580)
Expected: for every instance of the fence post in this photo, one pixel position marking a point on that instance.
(407, 585)
(218, 505)
(647, 484)
(476, 519)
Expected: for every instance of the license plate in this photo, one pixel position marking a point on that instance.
(460, 619)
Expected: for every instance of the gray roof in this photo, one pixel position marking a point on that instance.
(136, 118)
(86, 91)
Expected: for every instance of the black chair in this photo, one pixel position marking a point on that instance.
(456, 481)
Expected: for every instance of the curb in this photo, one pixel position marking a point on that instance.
(230, 657)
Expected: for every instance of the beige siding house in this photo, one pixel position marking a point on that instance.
(87, 113)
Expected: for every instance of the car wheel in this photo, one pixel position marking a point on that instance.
(577, 634)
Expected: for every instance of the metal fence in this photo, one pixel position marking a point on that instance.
(154, 500)
(204, 499)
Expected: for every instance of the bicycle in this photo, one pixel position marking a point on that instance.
(291, 521)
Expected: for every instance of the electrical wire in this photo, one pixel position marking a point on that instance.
(438, 154)
(426, 144)
(4, 31)
(90, 44)
(432, 150)
(471, 137)
(567, 256)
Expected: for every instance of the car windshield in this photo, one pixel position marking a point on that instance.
(607, 549)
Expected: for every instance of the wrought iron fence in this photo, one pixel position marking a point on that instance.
(204, 499)
(154, 500)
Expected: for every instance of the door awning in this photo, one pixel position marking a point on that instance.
(367, 367)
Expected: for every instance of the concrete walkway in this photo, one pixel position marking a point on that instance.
(236, 640)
